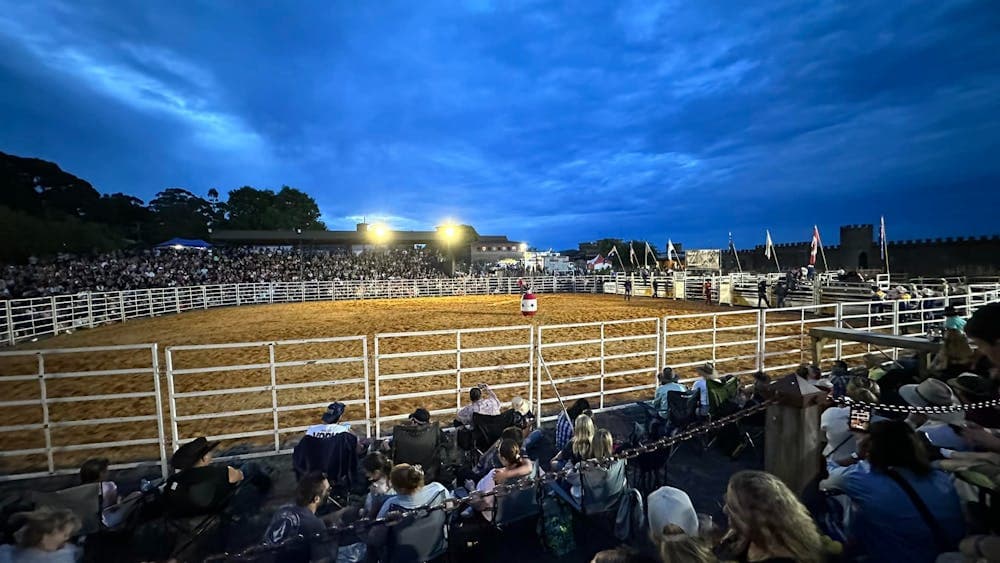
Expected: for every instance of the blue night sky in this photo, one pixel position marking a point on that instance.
(552, 123)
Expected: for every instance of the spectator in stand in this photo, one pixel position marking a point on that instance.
(95, 470)
(668, 382)
(331, 423)
(299, 519)
(43, 537)
(840, 378)
(931, 393)
(706, 371)
(488, 405)
(983, 328)
(971, 388)
(670, 506)
(199, 487)
(952, 320)
(834, 422)
(675, 545)
(955, 356)
(768, 523)
(411, 491)
(888, 523)
(513, 466)
(874, 364)
(579, 447)
(621, 554)
(564, 424)
(376, 468)
(490, 459)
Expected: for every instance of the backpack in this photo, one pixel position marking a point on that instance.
(556, 526)
(631, 518)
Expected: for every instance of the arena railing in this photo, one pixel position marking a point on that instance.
(289, 377)
(57, 409)
(31, 318)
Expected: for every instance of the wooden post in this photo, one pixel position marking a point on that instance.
(793, 442)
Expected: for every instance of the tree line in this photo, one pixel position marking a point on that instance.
(45, 210)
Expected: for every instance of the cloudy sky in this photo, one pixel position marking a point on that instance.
(552, 123)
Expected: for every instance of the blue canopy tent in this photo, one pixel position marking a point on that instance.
(184, 243)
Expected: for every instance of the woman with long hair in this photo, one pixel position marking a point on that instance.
(43, 536)
(675, 546)
(768, 523)
(579, 448)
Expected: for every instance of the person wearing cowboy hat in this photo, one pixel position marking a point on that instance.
(706, 371)
(198, 487)
(952, 320)
(971, 388)
(331, 423)
(931, 393)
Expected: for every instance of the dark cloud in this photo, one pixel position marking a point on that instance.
(550, 123)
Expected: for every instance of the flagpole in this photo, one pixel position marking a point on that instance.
(732, 246)
(822, 252)
(776, 265)
(885, 244)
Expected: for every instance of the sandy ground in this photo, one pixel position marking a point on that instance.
(506, 368)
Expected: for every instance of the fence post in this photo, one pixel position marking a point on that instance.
(55, 319)
(458, 369)
(792, 444)
(238, 295)
(602, 366)
(10, 322)
(149, 296)
(378, 402)
(121, 304)
(159, 411)
(274, 396)
(90, 309)
(204, 296)
(177, 299)
(761, 335)
(839, 324)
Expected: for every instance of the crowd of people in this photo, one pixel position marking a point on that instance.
(171, 267)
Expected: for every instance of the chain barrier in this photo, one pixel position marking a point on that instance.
(909, 409)
(500, 490)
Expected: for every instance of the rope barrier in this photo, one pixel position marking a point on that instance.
(500, 490)
(909, 409)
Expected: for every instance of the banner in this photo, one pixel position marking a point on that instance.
(703, 259)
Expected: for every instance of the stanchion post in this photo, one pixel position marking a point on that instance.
(792, 446)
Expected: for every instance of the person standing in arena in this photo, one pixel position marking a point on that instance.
(708, 291)
(762, 293)
(628, 289)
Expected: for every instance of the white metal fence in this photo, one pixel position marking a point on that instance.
(286, 386)
(445, 364)
(41, 425)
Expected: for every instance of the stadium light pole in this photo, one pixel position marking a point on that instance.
(449, 232)
(379, 233)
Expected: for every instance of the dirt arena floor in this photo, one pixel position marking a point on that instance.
(320, 383)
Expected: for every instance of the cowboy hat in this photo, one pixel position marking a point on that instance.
(932, 393)
(187, 455)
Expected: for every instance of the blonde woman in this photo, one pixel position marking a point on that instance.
(579, 448)
(768, 523)
(43, 536)
(675, 546)
(609, 479)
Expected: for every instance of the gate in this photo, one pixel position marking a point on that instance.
(434, 369)
(730, 340)
(287, 385)
(52, 421)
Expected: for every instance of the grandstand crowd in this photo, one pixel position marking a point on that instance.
(186, 267)
(902, 484)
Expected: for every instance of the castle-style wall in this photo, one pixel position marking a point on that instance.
(858, 250)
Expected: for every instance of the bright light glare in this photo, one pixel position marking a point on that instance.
(380, 232)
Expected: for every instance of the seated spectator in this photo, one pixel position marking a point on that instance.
(95, 470)
(525, 420)
(579, 447)
(43, 537)
(930, 393)
(299, 519)
(874, 364)
(513, 467)
(669, 506)
(668, 382)
(418, 442)
(622, 554)
(834, 421)
(376, 468)
(767, 522)
(955, 356)
(840, 377)
(199, 487)
(706, 371)
(566, 421)
(675, 545)
(488, 405)
(952, 320)
(331, 423)
(887, 524)
(411, 491)
(601, 449)
(490, 459)
(983, 328)
(971, 388)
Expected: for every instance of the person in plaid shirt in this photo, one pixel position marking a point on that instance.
(564, 425)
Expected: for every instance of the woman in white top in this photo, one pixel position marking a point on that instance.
(514, 467)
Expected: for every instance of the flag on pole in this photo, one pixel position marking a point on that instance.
(613, 252)
(881, 238)
(632, 258)
(671, 251)
(814, 247)
(650, 252)
(768, 246)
